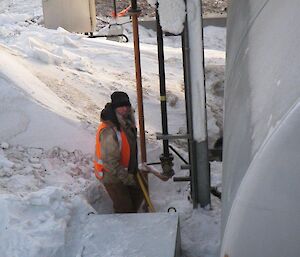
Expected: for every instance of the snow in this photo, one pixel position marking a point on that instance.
(53, 85)
(172, 14)
(32, 123)
(194, 24)
(35, 225)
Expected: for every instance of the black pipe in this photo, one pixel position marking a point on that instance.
(153, 163)
(162, 83)
(115, 9)
(181, 179)
(108, 36)
(134, 5)
(178, 154)
(166, 158)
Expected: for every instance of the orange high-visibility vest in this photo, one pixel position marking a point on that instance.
(124, 151)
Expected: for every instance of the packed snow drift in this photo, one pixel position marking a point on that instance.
(53, 85)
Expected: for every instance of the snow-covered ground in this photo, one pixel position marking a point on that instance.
(53, 85)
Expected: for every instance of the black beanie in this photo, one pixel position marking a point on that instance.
(119, 99)
(108, 114)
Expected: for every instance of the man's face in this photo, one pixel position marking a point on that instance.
(123, 110)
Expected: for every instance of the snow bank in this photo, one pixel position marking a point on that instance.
(43, 199)
(36, 117)
(40, 223)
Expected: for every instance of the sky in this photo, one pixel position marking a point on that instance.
(53, 85)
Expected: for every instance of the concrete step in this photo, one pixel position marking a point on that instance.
(131, 235)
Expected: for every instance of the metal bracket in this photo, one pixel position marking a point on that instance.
(185, 167)
(132, 12)
(160, 136)
(181, 179)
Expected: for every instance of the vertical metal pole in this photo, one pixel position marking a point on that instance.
(115, 9)
(162, 82)
(196, 106)
(166, 158)
(202, 146)
(189, 115)
(135, 12)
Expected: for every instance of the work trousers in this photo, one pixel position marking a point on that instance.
(126, 199)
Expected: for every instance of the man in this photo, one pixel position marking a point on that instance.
(116, 154)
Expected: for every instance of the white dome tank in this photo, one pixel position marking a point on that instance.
(261, 174)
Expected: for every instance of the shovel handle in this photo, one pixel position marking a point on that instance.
(145, 192)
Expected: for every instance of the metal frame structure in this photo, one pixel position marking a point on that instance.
(198, 163)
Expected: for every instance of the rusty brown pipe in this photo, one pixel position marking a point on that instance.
(134, 12)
